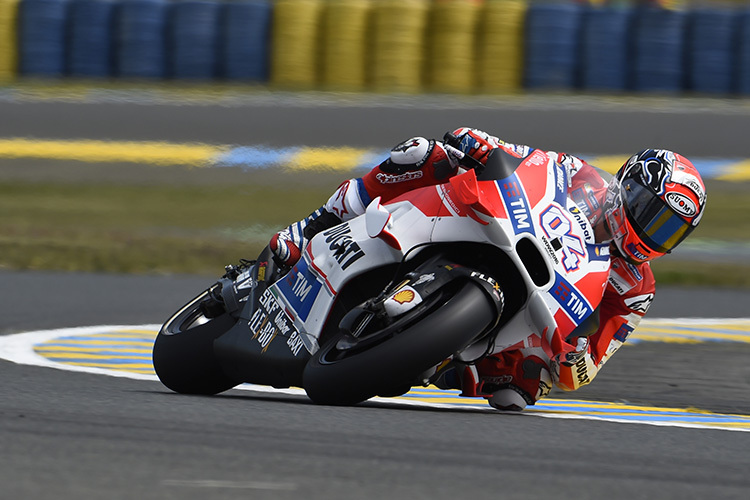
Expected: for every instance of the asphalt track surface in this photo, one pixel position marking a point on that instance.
(68, 435)
(694, 127)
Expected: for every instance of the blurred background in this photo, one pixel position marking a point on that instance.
(456, 46)
(111, 109)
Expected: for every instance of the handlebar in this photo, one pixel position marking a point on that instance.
(451, 144)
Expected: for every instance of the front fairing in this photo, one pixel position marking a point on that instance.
(529, 210)
(527, 213)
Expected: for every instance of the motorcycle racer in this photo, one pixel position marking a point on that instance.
(653, 203)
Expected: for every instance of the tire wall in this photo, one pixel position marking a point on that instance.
(405, 46)
(8, 39)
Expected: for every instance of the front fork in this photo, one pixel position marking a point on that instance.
(240, 283)
(432, 276)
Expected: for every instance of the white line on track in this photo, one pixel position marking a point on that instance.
(213, 483)
(21, 348)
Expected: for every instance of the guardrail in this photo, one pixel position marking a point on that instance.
(453, 46)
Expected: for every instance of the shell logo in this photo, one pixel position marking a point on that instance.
(404, 296)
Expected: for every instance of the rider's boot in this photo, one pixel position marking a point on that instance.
(507, 400)
(510, 380)
(287, 245)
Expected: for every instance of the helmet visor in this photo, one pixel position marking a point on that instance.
(657, 225)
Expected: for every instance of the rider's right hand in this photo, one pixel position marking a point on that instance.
(475, 143)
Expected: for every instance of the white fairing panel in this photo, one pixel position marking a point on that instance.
(531, 204)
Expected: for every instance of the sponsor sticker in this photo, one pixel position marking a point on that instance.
(641, 303)
(538, 158)
(384, 178)
(404, 296)
(557, 226)
(622, 333)
(681, 204)
(623, 276)
(401, 301)
(516, 204)
(691, 182)
(425, 278)
(269, 321)
(570, 299)
(300, 288)
(345, 250)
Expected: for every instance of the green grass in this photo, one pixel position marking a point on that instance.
(162, 229)
(727, 215)
(199, 227)
(695, 273)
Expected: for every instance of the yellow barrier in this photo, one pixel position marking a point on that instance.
(295, 43)
(8, 43)
(382, 45)
(452, 45)
(500, 46)
(345, 40)
(397, 52)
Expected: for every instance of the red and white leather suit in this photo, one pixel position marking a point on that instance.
(419, 162)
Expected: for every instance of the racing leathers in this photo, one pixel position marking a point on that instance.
(514, 378)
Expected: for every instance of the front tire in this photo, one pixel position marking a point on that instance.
(183, 353)
(336, 376)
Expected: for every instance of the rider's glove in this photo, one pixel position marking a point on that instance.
(573, 357)
(475, 143)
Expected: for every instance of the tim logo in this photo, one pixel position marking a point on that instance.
(301, 287)
(517, 205)
(571, 301)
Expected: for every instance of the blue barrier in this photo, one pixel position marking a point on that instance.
(658, 38)
(567, 46)
(552, 45)
(140, 50)
(711, 50)
(605, 49)
(41, 37)
(193, 38)
(743, 53)
(245, 29)
(90, 38)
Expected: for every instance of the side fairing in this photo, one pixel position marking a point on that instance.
(334, 257)
(531, 205)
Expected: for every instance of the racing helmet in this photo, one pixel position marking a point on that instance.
(654, 202)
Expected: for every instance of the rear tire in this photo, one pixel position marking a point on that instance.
(337, 377)
(183, 353)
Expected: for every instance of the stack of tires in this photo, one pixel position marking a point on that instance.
(605, 52)
(243, 40)
(405, 46)
(140, 51)
(553, 46)
(712, 50)
(658, 59)
(743, 53)
(42, 37)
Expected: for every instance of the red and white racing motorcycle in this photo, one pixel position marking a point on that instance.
(495, 259)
